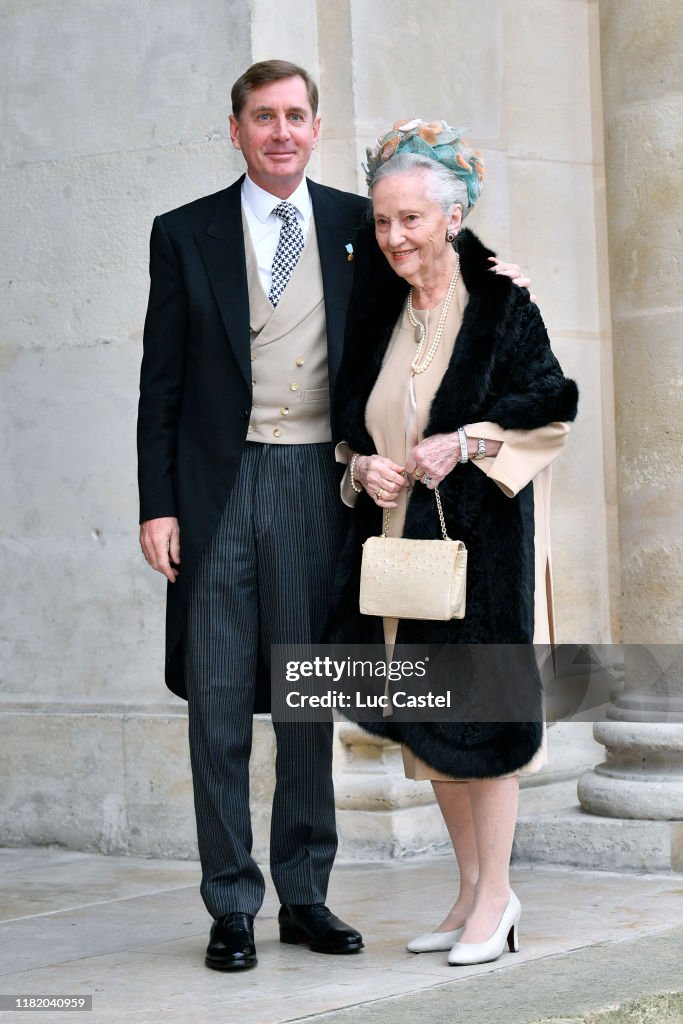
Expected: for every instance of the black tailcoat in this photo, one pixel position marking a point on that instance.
(502, 370)
(195, 383)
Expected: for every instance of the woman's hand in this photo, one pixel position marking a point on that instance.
(381, 478)
(434, 458)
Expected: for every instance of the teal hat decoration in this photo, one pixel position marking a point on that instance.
(435, 140)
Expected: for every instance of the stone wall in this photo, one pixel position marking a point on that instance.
(115, 112)
(525, 78)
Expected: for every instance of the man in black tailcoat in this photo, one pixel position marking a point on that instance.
(239, 492)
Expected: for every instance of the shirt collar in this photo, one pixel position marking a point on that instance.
(263, 203)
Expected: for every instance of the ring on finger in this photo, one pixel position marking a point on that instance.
(426, 480)
(379, 494)
(418, 473)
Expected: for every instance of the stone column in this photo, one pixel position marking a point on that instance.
(642, 776)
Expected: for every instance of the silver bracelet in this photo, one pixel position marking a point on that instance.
(481, 449)
(352, 466)
(462, 436)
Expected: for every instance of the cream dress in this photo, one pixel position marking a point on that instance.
(396, 416)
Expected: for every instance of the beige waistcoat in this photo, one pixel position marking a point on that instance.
(291, 393)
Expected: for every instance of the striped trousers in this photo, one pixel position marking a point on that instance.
(264, 578)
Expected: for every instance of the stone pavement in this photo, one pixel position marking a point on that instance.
(132, 933)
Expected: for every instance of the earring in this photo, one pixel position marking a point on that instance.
(450, 235)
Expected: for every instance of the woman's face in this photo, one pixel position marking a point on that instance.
(411, 227)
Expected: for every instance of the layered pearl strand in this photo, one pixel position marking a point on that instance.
(418, 364)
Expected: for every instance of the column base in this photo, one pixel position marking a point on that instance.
(642, 776)
(576, 838)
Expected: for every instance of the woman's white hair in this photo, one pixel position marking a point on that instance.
(443, 186)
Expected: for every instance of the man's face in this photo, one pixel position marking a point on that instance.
(277, 133)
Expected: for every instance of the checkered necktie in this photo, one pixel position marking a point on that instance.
(289, 248)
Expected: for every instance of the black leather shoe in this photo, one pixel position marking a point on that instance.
(231, 943)
(317, 926)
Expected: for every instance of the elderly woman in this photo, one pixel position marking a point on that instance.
(449, 381)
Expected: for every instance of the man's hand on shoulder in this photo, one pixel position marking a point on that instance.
(514, 272)
(160, 543)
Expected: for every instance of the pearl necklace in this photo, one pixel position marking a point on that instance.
(418, 364)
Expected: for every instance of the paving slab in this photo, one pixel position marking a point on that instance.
(636, 981)
(132, 932)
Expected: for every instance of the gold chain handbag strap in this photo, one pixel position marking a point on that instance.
(387, 516)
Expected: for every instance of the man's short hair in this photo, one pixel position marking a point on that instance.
(270, 71)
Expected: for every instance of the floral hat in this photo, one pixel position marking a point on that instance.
(435, 140)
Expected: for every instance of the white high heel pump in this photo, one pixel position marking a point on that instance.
(433, 942)
(465, 954)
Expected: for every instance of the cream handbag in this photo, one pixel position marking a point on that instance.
(413, 579)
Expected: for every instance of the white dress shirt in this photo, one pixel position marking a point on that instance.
(264, 226)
